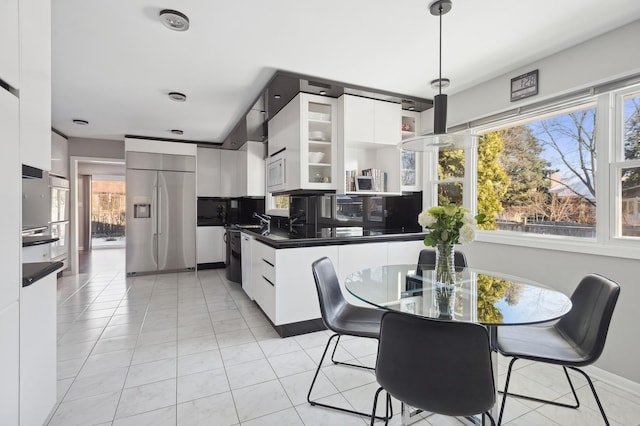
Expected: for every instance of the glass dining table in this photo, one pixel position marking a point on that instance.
(490, 298)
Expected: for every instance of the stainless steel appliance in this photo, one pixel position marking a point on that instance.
(59, 221)
(161, 212)
(233, 271)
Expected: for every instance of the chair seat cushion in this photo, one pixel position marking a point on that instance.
(357, 321)
(539, 343)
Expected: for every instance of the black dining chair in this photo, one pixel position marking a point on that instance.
(438, 366)
(576, 340)
(427, 256)
(342, 318)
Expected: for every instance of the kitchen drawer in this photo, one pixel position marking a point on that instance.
(268, 270)
(268, 297)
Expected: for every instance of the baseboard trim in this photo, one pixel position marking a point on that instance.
(212, 265)
(613, 380)
(295, 328)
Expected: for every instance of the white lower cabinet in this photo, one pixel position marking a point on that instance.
(10, 363)
(354, 257)
(210, 247)
(282, 282)
(38, 351)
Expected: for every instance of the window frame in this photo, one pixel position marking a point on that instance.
(617, 164)
(610, 155)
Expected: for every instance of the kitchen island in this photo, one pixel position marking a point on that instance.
(279, 276)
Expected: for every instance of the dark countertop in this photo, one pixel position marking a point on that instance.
(32, 272)
(280, 239)
(36, 240)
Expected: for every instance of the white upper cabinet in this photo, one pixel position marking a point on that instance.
(208, 172)
(9, 43)
(368, 133)
(35, 83)
(250, 170)
(228, 173)
(9, 193)
(307, 129)
(59, 155)
(372, 121)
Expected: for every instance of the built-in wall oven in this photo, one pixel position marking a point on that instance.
(59, 220)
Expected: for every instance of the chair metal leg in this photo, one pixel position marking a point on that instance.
(546, 401)
(375, 405)
(595, 394)
(313, 382)
(342, 362)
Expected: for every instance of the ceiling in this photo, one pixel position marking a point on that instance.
(114, 63)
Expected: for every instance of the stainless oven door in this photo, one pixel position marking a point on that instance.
(60, 248)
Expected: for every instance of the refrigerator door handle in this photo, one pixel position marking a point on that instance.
(159, 210)
(154, 210)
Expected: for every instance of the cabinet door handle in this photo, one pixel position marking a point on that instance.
(267, 262)
(264, 278)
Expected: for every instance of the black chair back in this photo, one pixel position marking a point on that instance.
(588, 321)
(428, 257)
(439, 366)
(329, 294)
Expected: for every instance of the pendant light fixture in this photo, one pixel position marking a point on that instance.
(440, 137)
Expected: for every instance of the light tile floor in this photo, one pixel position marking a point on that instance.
(186, 349)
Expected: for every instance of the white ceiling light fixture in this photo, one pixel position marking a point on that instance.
(177, 132)
(177, 96)
(174, 20)
(80, 122)
(439, 136)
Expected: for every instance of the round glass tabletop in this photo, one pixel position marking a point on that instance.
(485, 297)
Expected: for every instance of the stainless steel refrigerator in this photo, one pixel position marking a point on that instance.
(161, 212)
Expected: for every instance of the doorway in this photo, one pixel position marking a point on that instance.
(108, 204)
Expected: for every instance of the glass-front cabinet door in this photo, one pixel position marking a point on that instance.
(318, 142)
(411, 162)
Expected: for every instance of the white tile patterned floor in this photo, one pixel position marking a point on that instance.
(186, 349)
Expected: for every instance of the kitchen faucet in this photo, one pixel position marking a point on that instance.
(265, 220)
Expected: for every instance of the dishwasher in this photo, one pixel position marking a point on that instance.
(233, 261)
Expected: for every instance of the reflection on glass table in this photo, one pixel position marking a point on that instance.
(486, 297)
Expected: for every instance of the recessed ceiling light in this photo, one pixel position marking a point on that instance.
(177, 96)
(177, 131)
(276, 96)
(81, 122)
(323, 92)
(412, 108)
(174, 20)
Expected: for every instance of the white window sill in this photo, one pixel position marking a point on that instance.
(622, 248)
(278, 212)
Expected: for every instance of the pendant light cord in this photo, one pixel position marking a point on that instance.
(440, 53)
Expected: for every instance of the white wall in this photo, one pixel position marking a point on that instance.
(563, 271)
(605, 58)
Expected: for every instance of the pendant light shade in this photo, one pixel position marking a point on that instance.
(440, 137)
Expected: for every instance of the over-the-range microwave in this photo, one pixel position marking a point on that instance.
(276, 175)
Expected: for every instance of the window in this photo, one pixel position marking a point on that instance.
(451, 170)
(628, 170)
(539, 176)
(277, 205)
